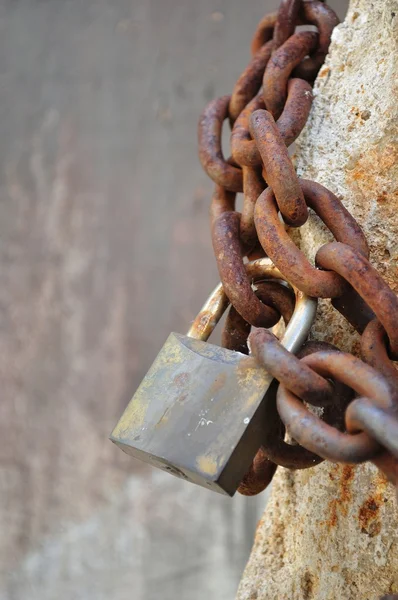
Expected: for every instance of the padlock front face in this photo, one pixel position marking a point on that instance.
(197, 414)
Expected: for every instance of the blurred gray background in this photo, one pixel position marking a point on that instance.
(105, 249)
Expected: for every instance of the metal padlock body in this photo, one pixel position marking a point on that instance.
(199, 411)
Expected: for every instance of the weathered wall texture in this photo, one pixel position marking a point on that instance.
(331, 532)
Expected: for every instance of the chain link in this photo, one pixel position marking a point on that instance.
(267, 110)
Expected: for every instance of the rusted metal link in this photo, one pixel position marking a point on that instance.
(280, 67)
(278, 296)
(279, 171)
(290, 123)
(234, 337)
(286, 21)
(325, 19)
(379, 423)
(210, 152)
(357, 270)
(235, 332)
(259, 476)
(284, 454)
(288, 369)
(243, 149)
(296, 110)
(294, 456)
(222, 201)
(374, 343)
(264, 32)
(284, 252)
(334, 413)
(323, 377)
(236, 329)
(249, 82)
(253, 186)
(317, 436)
(237, 286)
(256, 252)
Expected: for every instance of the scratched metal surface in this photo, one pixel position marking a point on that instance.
(104, 250)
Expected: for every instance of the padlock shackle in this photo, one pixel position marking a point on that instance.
(261, 269)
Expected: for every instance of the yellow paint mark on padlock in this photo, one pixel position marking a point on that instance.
(207, 465)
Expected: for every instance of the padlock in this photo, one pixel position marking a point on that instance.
(199, 412)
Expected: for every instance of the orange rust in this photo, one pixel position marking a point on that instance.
(258, 534)
(181, 379)
(382, 197)
(358, 175)
(333, 514)
(334, 471)
(346, 479)
(381, 480)
(260, 524)
(368, 515)
(368, 166)
(324, 71)
(340, 504)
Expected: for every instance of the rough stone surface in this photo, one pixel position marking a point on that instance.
(331, 531)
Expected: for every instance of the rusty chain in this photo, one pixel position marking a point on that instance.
(267, 110)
